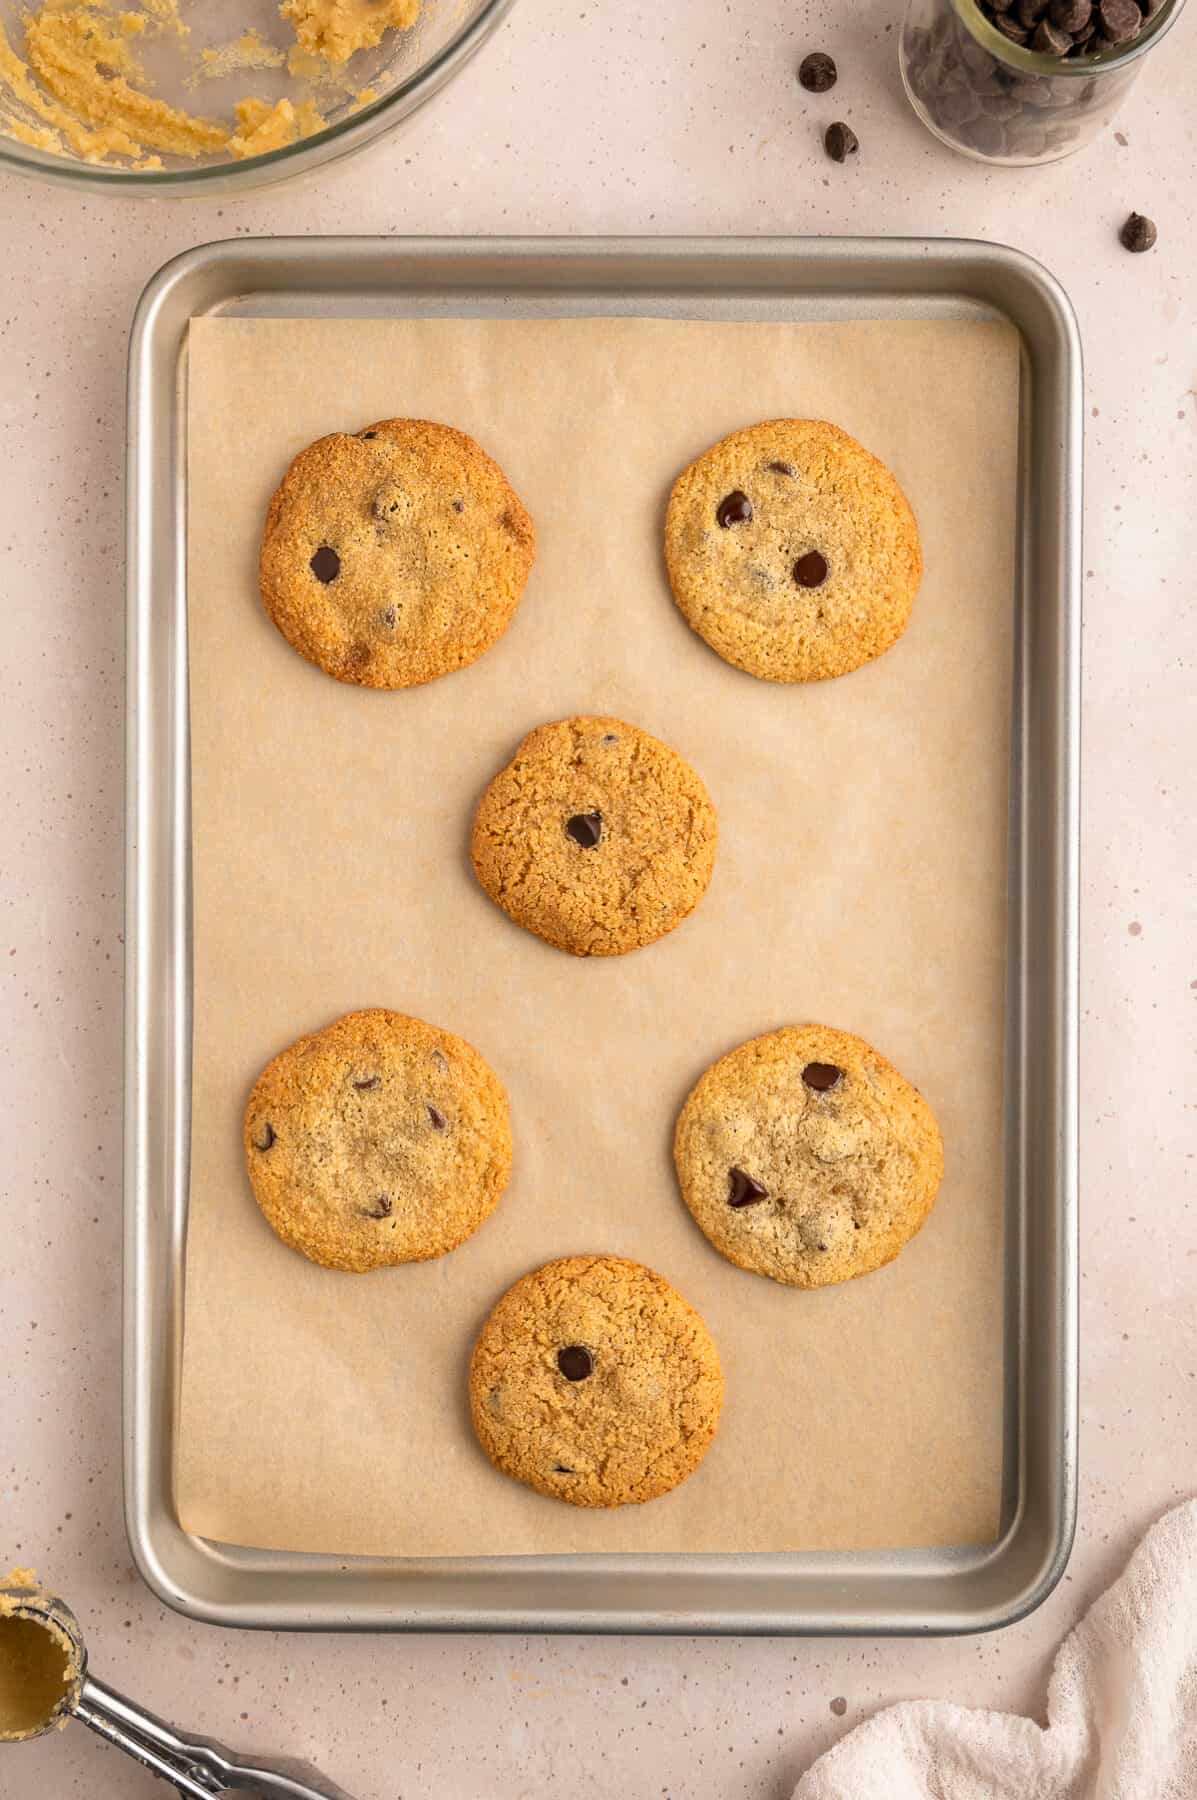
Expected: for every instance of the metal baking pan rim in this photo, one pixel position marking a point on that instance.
(1003, 1581)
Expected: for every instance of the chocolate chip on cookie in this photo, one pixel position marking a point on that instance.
(596, 836)
(373, 566)
(814, 569)
(365, 1170)
(844, 1155)
(594, 1382)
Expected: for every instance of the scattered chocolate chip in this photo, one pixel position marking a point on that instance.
(575, 1362)
(840, 141)
(839, 1706)
(1138, 233)
(388, 615)
(380, 1210)
(439, 1121)
(367, 1082)
(743, 1190)
(265, 1137)
(781, 468)
(585, 829)
(326, 564)
(821, 1076)
(734, 509)
(817, 72)
(1071, 16)
(810, 571)
(1049, 41)
(367, 434)
(1120, 19)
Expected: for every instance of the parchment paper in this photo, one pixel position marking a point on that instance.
(860, 881)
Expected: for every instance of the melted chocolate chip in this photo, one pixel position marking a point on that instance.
(439, 1121)
(367, 434)
(810, 571)
(575, 1362)
(381, 1208)
(585, 829)
(388, 615)
(560, 1469)
(821, 1076)
(734, 509)
(326, 564)
(742, 1190)
(367, 1082)
(459, 506)
(781, 468)
(264, 1138)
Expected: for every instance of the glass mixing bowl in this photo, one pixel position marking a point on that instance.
(205, 62)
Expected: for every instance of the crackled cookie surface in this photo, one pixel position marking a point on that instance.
(593, 1381)
(378, 1140)
(596, 836)
(792, 551)
(395, 555)
(804, 1155)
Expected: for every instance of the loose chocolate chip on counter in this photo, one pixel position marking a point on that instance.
(781, 468)
(817, 72)
(439, 1121)
(840, 141)
(575, 1363)
(585, 829)
(1049, 41)
(367, 1082)
(326, 564)
(734, 509)
(1138, 233)
(1071, 16)
(821, 1076)
(1120, 19)
(381, 1208)
(810, 571)
(264, 1139)
(742, 1190)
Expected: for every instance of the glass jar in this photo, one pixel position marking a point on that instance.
(1002, 102)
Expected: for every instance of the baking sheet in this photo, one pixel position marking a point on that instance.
(861, 880)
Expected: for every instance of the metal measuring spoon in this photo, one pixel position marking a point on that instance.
(196, 1766)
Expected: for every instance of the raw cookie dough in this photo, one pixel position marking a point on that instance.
(39, 1666)
(593, 1381)
(805, 1156)
(376, 1141)
(596, 836)
(395, 555)
(792, 550)
(80, 90)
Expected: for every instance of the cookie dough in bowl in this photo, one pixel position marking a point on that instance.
(171, 96)
(805, 1156)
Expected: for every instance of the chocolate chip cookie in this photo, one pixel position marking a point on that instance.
(395, 555)
(596, 836)
(378, 1140)
(805, 1156)
(595, 1382)
(792, 551)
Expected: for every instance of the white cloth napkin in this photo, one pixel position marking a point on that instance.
(1121, 1708)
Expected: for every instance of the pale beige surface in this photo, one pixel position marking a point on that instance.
(860, 881)
(685, 119)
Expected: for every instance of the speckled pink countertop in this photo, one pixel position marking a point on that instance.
(578, 118)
